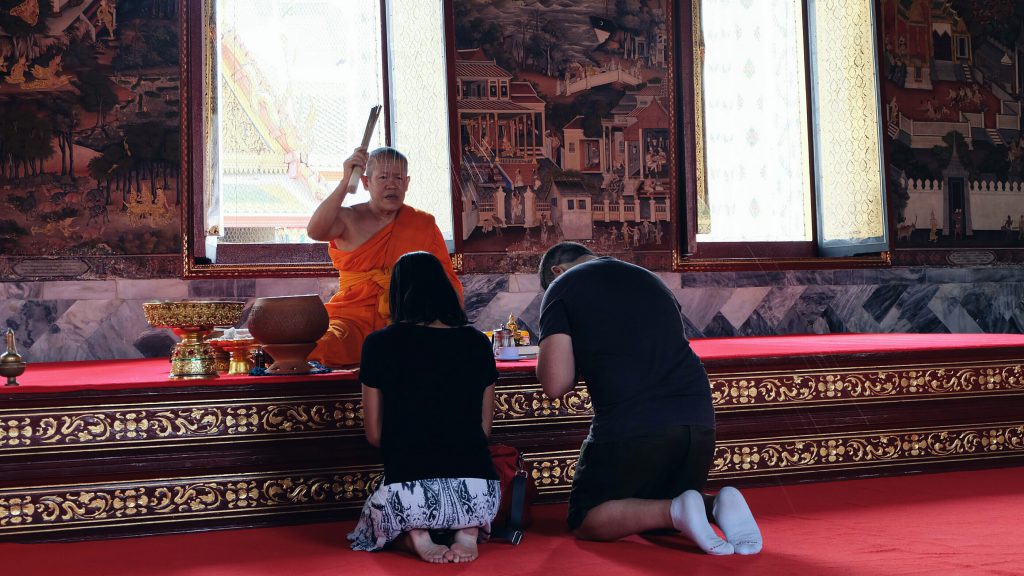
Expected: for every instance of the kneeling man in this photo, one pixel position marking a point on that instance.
(645, 463)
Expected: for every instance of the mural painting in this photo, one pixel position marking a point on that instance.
(564, 128)
(89, 136)
(952, 97)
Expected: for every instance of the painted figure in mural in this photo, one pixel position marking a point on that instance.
(515, 206)
(107, 16)
(933, 228)
(958, 224)
(906, 230)
(365, 240)
(646, 460)
(431, 415)
(1007, 228)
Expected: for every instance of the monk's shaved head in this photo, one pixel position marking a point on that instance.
(386, 156)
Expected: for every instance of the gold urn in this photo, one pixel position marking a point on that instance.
(193, 321)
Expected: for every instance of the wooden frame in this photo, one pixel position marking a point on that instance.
(235, 260)
(727, 256)
(929, 113)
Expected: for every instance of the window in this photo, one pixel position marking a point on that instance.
(284, 99)
(963, 51)
(787, 107)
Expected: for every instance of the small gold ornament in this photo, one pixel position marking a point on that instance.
(11, 363)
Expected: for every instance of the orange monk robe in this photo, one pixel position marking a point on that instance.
(364, 278)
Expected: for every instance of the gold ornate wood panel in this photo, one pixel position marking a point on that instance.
(810, 387)
(124, 462)
(170, 501)
(102, 426)
(856, 453)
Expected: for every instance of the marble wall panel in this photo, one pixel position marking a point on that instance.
(79, 320)
(701, 305)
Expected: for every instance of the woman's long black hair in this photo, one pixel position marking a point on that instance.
(421, 292)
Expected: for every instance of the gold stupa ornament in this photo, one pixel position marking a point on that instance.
(11, 363)
(193, 321)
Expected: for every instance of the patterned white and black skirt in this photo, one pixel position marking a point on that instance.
(432, 504)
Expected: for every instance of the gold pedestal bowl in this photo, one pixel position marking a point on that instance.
(192, 321)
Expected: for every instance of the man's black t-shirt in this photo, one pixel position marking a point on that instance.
(432, 382)
(629, 346)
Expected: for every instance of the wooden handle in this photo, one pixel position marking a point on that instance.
(357, 172)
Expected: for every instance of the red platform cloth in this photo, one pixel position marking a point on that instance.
(126, 374)
(153, 373)
(847, 344)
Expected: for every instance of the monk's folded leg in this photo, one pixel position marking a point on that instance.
(342, 344)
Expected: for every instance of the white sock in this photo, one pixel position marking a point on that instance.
(690, 517)
(734, 518)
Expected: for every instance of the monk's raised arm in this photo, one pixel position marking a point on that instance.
(326, 224)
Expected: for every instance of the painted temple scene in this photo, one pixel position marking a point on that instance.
(952, 99)
(89, 135)
(563, 124)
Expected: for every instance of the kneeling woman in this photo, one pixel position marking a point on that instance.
(428, 400)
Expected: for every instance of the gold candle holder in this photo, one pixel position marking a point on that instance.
(241, 355)
(192, 321)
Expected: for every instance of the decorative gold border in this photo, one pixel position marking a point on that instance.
(804, 388)
(74, 507)
(770, 457)
(68, 429)
(524, 404)
(703, 218)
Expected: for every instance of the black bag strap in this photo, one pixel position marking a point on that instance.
(513, 531)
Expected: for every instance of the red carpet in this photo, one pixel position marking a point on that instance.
(950, 524)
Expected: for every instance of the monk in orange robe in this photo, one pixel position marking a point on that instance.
(366, 240)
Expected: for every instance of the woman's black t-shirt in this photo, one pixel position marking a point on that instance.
(432, 382)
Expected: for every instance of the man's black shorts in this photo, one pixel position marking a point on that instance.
(659, 466)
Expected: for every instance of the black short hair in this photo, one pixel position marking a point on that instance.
(385, 153)
(422, 293)
(559, 254)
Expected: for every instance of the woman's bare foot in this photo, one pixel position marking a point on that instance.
(464, 547)
(418, 542)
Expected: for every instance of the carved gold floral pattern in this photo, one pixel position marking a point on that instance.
(62, 508)
(101, 427)
(789, 388)
(531, 402)
(15, 432)
(42, 509)
(553, 472)
(806, 453)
